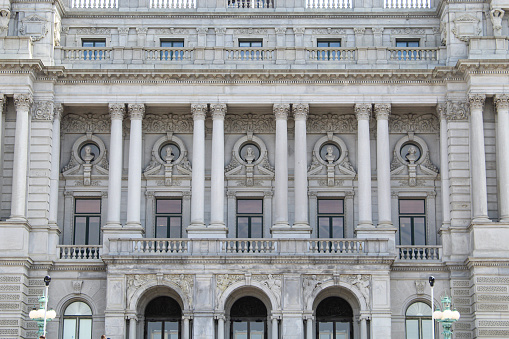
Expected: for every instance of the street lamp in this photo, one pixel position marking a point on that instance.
(42, 315)
(447, 317)
(431, 281)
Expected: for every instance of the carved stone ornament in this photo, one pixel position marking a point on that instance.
(76, 286)
(363, 111)
(382, 111)
(496, 15)
(34, 26)
(168, 166)
(93, 31)
(218, 111)
(185, 282)
(502, 102)
(442, 110)
(311, 282)
(5, 16)
(281, 111)
(220, 30)
(42, 111)
(280, 30)
(476, 101)
(86, 123)
(359, 30)
(58, 110)
(123, 30)
(141, 30)
(328, 31)
(57, 29)
(179, 31)
(23, 101)
(273, 282)
(250, 31)
(299, 30)
(3, 103)
(254, 123)
(86, 167)
(361, 281)
(136, 111)
(335, 168)
(420, 286)
(199, 111)
(202, 30)
(300, 111)
(117, 111)
(223, 281)
(419, 123)
(163, 123)
(336, 123)
(457, 110)
(466, 26)
(408, 31)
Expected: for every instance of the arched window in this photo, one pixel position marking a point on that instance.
(77, 321)
(163, 316)
(334, 319)
(418, 321)
(248, 317)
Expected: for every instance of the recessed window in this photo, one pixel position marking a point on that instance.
(93, 43)
(249, 218)
(172, 43)
(87, 221)
(407, 43)
(418, 321)
(329, 53)
(334, 319)
(412, 222)
(163, 317)
(250, 43)
(78, 321)
(93, 54)
(328, 43)
(172, 54)
(168, 218)
(248, 319)
(331, 218)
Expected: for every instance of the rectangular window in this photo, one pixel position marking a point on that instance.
(249, 218)
(328, 54)
(172, 54)
(87, 221)
(331, 218)
(407, 43)
(250, 43)
(412, 222)
(329, 43)
(168, 218)
(93, 43)
(93, 54)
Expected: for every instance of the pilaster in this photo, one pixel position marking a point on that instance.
(502, 106)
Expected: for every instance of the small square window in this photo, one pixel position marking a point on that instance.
(407, 43)
(93, 43)
(250, 43)
(331, 218)
(172, 43)
(168, 218)
(328, 43)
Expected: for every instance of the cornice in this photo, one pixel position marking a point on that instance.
(471, 262)
(71, 266)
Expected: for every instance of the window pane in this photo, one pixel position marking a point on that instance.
(405, 231)
(69, 328)
(154, 329)
(401, 44)
(426, 328)
(78, 308)
(242, 227)
(413, 44)
(325, 330)
(257, 330)
(240, 330)
(85, 329)
(161, 227)
(80, 229)
(256, 227)
(323, 227)
(249, 206)
(171, 329)
(172, 43)
(411, 206)
(88, 206)
(169, 206)
(412, 329)
(175, 227)
(342, 330)
(337, 228)
(419, 231)
(94, 230)
(419, 309)
(330, 206)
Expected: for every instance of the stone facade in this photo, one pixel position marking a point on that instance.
(369, 104)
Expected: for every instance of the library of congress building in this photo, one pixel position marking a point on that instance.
(254, 169)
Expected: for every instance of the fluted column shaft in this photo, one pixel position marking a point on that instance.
(218, 112)
(281, 171)
(22, 102)
(383, 166)
(502, 104)
(363, 113)
(198, 175)
(478, 158)
(55, 165)
(444, 164)
(301, 169)
(115, 169)
(136, 112)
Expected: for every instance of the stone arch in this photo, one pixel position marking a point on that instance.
(417, 298)
(152, 289)
(342, 289)
(72, 297)
(255, 289)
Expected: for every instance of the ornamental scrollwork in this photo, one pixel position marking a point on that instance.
(425, 123)
(361, 281)
(408, 31)
(86, 123)
(42, 110)
(311, 282)
(242, 123)
(457, 110)
(323, 31)
(223, 281)
(273, 282)
(35, 26)
(94, 31)
(337, 123)
(162, 123)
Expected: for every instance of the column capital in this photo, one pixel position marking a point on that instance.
(442, 110)
(382, 111)
(476, 101)
(58, 110)
(136, 111)
(199, 111)
(502, 101)
(23, 101)
(300, 111)
(117, 111)
(202, 30)
(42, 111)
(280, 30)
(362, 111)
(220, 30)
(2, 103)
(281, 111)
(299, 30)
(218, 111)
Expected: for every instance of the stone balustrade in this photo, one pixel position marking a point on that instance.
(413, 54)
(407, 4)
(86, 4)
(233, 246)
(250, 54)
(173, 4)
(251, 3)
(419, 253)
(79, 252)
(331, 54)
(168, 54)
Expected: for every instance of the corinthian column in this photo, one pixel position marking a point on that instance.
(198, 175)
(383, 166)
(300, 112)
(136, 112)
(55, 164)
(444, 164)
(502, 103)
(218, 112)
(281, 171)
(22, 102)
(478, 158)
(115, 170)
(363, 113)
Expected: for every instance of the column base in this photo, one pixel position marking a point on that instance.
(384, 224)
(365, 225)
(134, 227)
(296, 231)
(201, 231)
(17, 219)
(481, 220)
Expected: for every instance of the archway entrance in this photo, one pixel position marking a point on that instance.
(248, 319)
(334, 319)
(162, 319)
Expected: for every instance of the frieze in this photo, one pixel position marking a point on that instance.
(461, 283)
(493, 280)
(93, 31)
(42, 110)
(34, 26)
(8, 322)
(250, 31)
(408, 31)
(162, 123)
(493, 298)
(494, 333)
(336, 123)
(323, 31)
(462, 326)
(185, 282)
(403, 123)
(501, 289)
(361, 281)
(86, 123)
(10, 279)
(242, 123)
(494, 323)
(492, 307)
(172, 30)
(311, 282)
(9, 297)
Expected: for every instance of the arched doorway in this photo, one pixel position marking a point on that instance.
(163, 317)
(248, 319)
(334, 319)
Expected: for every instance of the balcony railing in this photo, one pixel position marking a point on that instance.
(251, 3)
(407, 3)
(328, 4)
(87, 53)
(94, 4)
(250, 54)
(168, 54)
(419, 253)
(175, 4)
(413, 54)
(234, 246)
(79, 252)
(331, 54)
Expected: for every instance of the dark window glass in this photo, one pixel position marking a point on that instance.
(87, 221)
(331, 218)
(334, 319)
(251, 43)
(173, 43)
(412, 222)
(93, 43)
(248, 319)
(407, 43)
(329, 43)
(168, 218)
(163, 319)
(249, 218)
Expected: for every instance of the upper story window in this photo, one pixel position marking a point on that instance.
(407, 43)
(93, 54)
(328, 43)
(172, 54)
(412, 222)
(78, 321)
(87, 221)
(331, 218)
(168, 218)
(93, 43)
(172, 43)
(250, 43)
(418, 321)
(249, 218)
